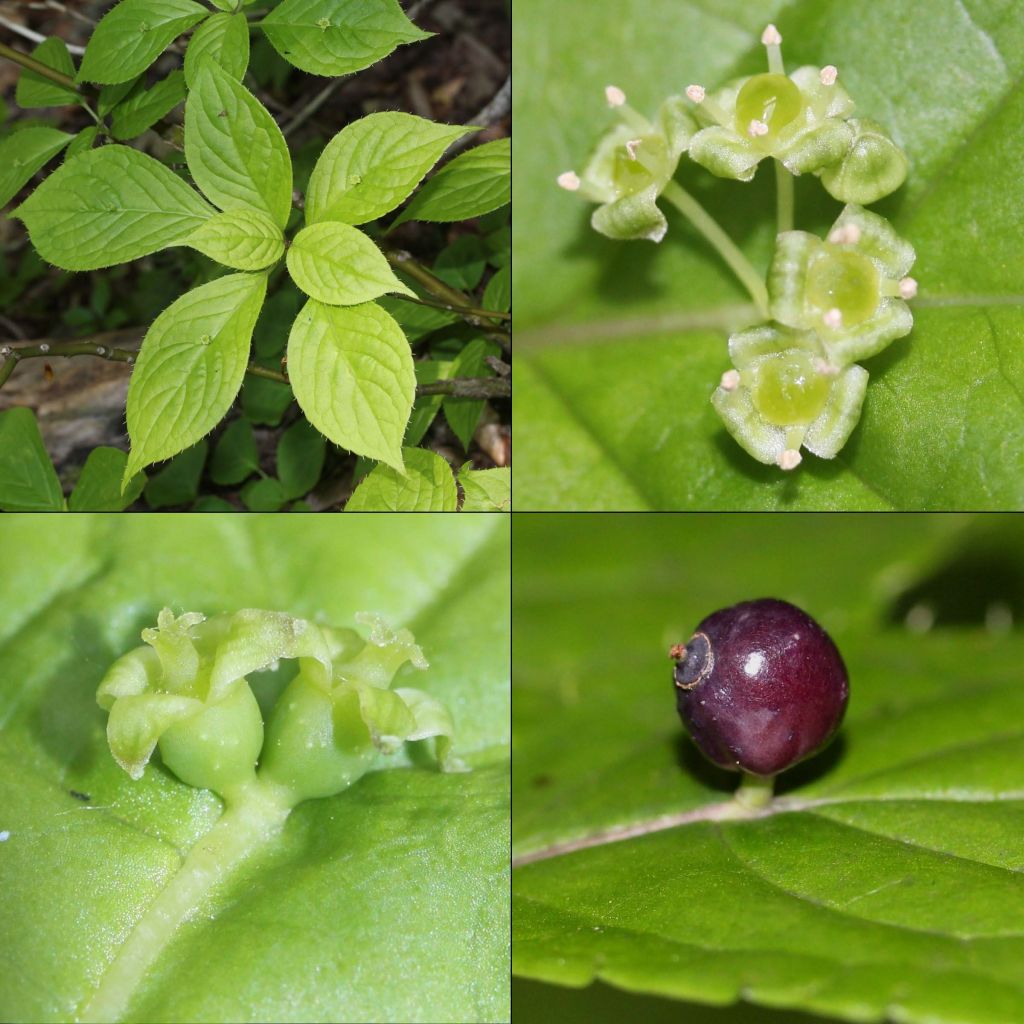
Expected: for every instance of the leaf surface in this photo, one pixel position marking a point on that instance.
(224, 38)
(142, 109)
(28, 481)
(486, 490)
(471, 185)
(132, 34)
(622, 344)
(387, 902)
(190, 367)
(34, 90)
(426, 486)
(884, 857)
(373, 164)
(99, 487)
(352, 373)
(340, 265)
(337, 37)
(244, 239)
(108, 206)
(234, 148)
(23, 153)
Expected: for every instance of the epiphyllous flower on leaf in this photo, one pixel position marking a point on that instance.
(785, 394)
(631, 166)
(849, 289)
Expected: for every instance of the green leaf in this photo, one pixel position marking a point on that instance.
(224, 38)
(427, 486)
(498, 293)
(211, 503)
(177, 483)
(235, 456)
(28, 482)
(463, 414)
(132, 35)
(244, 239)
(462, 263)
(352, 373)
(82, 142)
(265, 495)
(891, 846)
(23, 153)
(337, 37)
(471, 185)
(99, 487)
(426, 407)
(373, 164)
(300, 459)
(619, 354)
(108, 206)
(234, 148)
(340, 265)
(190, 367)
(142, 109)
(111, 95)
(486, 490)
(409, 863)
(36, 91)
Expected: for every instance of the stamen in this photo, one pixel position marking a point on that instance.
(757, 128)
(730, 380)
(789, 459)
(824, 368)
(695, 93)
(773, 41)
(908, 288)
(569, 180)
(833, 318)
(614, 95)
(770, 36)
(848, 234)
(828, 74)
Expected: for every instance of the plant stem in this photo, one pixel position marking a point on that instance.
(39, 68)
(755, 792)
(784, 202)
(719, 241)
(461, 310)
(468, 387)
(243, 829)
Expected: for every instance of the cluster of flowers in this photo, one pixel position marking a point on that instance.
(796, 382)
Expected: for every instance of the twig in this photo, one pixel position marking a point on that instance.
(11, 355)
(35, 37)
(495, 110)
(39, 68)
(312, 107)
(468, 387)
(461, 310)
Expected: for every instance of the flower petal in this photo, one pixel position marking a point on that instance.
(817, 148)
(787, 276)
(873, 167)
(759, 439)
(635, 216)
(893, 320)
(725, 153)
(831, 430)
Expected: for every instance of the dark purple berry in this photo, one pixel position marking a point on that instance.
(760, 686)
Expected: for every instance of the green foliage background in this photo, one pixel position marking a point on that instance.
(622, 343)
(387, 902)
(887, 887)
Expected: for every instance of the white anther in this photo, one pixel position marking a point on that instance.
(632, 146)
(908, 288)
(770, 36)
(824, 368)
(569, 180)
(730, 380)
(848, 234)
(614, 95)
(757, 128)
(833, 318)
(696, 93)
(789, 459)
(5, 835)
(100, 350)
(44, 347)
(828, 74)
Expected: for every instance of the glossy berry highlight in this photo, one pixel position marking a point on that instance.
(760, 686)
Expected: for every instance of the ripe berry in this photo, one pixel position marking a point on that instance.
(760, 686)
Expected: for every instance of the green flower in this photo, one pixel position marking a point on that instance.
(799, 119)
(785, 393)
(849, 289)
(631, 166)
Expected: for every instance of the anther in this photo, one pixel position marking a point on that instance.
(833, 318)
(789, 459)
(848, 234)
(695, 93)
(908, 288)
(569, 180)
(614, 95)
(824, 368)
(730, 380)
(828, 74)
(757, 128)
(770, 36)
